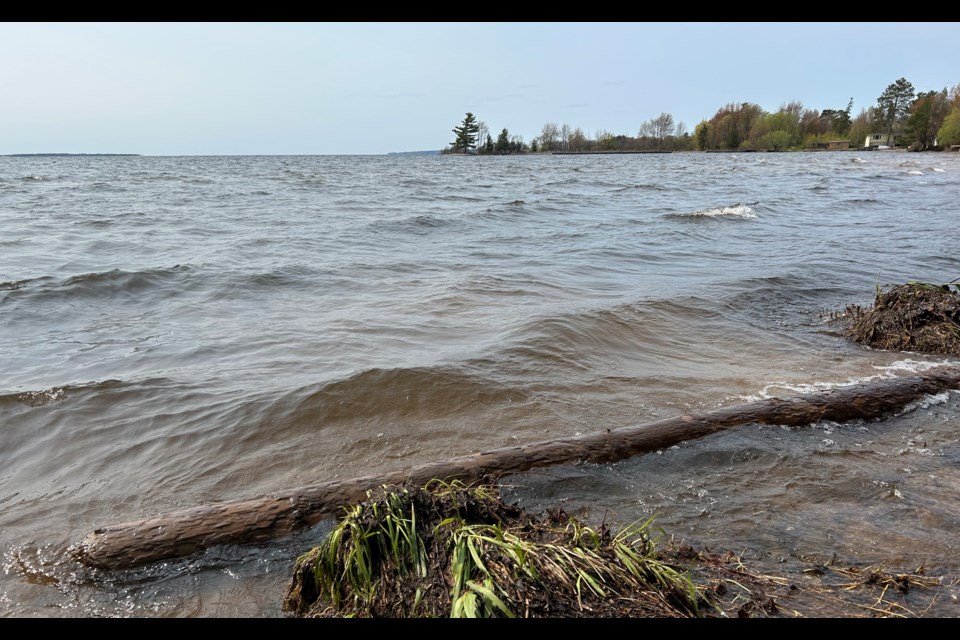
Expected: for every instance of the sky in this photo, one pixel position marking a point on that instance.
(323, 88)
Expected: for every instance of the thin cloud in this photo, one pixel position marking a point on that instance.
(399, 94)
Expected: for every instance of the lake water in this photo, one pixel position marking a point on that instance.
(181, 331)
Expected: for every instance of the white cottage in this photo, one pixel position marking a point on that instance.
(880, 140)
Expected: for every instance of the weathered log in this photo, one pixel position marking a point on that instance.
(259, 519)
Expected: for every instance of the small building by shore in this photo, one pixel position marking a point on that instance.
(831, 145)
(881, 141)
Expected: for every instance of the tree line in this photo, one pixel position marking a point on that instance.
(905, 118)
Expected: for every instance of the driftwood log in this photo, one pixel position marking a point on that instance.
(259, 519)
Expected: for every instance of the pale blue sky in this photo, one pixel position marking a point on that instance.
(371, 88)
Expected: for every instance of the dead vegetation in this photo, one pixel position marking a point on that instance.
(916, 316)
(449, 550)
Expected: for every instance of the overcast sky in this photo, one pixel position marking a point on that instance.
(372, 88)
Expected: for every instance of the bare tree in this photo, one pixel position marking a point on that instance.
(662, 127)
(565, 131)
(549, 135)
(860, 127)
(578, 139)
(483, 134)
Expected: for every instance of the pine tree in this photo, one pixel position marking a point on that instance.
(503, 141)
(466, 134)
(893, 105)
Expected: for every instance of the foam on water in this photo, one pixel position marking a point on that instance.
(886, 372)
(736, 210)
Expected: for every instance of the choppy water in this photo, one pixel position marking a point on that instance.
(177, 331)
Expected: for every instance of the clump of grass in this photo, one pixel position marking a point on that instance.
(449, 550)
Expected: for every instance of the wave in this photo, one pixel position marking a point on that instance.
(289, 276)
(116, 282)
(643, 187)
(302, 179)
(775, 294)
(865, 201)
(43, 397)
(876, 176)
(739, 210)
(858, 203)
(153, 284)
(117, 278)
(105, 186)
(580, 340)
(523, 207)
(161, 176)
(94, 223)
(35, 398)
(484, 285)
(409, 393)
(12, 285)
(420, 224)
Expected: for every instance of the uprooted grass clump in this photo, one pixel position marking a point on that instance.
(448, 550)
(916, 316)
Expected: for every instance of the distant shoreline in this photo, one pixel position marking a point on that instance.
(61, 155)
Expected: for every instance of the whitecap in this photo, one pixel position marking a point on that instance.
(40, 398)
(736, 210)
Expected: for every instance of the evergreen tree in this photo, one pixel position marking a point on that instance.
(466, 134)
(839, 120)
(893, 105)
(503, 141)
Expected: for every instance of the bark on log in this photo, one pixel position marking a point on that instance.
(259, 519)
